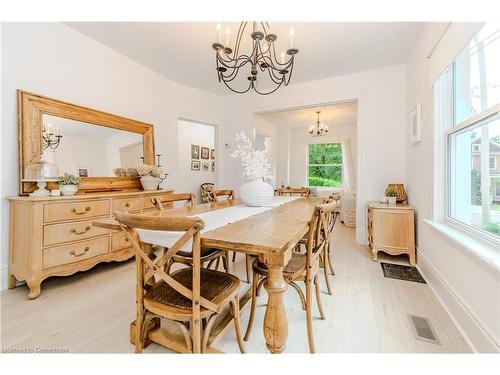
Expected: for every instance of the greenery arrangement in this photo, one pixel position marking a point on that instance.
(68, 179)
(391, 192)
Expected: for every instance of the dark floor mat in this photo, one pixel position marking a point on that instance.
(400, 272)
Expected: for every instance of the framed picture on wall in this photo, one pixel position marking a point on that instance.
(416, 124)
(212, 154)
(205, 166)
(213, 166)
(83, 172)
(195, 152)
(195, 165)
(205, 153)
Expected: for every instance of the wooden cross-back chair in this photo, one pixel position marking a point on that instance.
(301, 267)
(326, 258)
(303, 192)
(186, 296)
(229, 194)
(209, 256)
(167, 201)
(334, 197)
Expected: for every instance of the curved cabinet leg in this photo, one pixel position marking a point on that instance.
(374, 255)
(411, 255)
(275, 320)
(35, 288)
(11, 284)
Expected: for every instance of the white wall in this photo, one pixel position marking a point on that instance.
(381, 96)
(191, 133)
(468, 286)
(55, 60)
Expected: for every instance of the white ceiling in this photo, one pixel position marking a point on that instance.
(182, 52)
(338, 114)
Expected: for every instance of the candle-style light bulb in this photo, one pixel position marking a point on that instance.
(228, 33)
(218, 28)
(291, 34)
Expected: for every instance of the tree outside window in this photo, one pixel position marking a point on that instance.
(325, 164)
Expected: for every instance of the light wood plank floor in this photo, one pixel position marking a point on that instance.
(90, 312)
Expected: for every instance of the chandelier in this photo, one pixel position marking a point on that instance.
(318, 130)
(50, 139)
(262, 58)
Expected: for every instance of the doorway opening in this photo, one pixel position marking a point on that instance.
(196, 156)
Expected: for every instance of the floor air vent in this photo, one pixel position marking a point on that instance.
(422, 329)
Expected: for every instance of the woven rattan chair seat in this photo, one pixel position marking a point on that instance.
(296, 264)
(204, 253)
(214, 286)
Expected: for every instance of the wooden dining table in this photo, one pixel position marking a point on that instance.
(271, 235)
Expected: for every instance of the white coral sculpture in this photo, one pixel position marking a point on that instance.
(254, 161)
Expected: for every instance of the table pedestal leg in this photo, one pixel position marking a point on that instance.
(275, 320)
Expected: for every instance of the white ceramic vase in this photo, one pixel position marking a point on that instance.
(150, 183)
(256, 192)
(68, 189)
(392, 200)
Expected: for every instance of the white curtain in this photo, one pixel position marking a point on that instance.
(349, 173)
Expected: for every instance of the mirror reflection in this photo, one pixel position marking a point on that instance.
(88, 150)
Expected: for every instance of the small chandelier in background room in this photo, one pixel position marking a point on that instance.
(49, 138)
(318, 129)
(262, 58)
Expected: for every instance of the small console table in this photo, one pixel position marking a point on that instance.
(391, 229)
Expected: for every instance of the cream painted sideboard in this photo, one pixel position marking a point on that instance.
(391, 229)
(54, 236)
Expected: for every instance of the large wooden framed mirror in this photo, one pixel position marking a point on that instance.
(92, 144)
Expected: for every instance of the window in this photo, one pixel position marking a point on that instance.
(473, 137)
(493, 162)
(325, 164)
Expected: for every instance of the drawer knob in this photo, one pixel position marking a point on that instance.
(87, 209)
(79, 253)
(75, 231)
(127, 204)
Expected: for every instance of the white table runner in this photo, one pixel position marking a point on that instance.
(212, 219)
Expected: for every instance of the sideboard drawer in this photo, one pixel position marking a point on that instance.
(75, 210)
(127, 204)
(75, 252)
(119, 242)
(60, 233)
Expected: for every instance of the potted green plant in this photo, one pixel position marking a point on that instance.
(150, 176)
(391, 195)
(68, 184)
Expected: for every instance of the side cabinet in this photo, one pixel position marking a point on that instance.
(55, 236)
(391, 229)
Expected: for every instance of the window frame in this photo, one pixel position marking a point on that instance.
(494, 163)
(469, 123)
(325, 165)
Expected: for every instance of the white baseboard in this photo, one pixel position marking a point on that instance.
(3, 278)
(471, 327)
